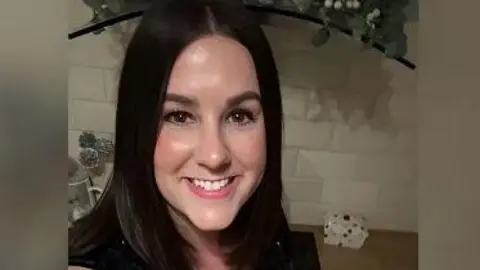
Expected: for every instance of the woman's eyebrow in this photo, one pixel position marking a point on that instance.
(242, 97)
(231, 101)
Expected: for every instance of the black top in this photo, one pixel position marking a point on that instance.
(117, 255)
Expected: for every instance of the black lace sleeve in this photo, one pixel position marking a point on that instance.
(115, 255)
(285, 254)
(90, 260)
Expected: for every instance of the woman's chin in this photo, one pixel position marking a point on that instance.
(212, 221)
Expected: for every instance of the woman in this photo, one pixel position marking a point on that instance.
(197, 172)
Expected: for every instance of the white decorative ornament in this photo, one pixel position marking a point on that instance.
(376, 12)
(302, 5)
(370, 16)
(349, 4)
(337, 5)
(344, 229)
(328, 3)
(356, 4)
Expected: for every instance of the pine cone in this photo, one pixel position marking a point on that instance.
(89, 158)
(104, 146)
(87, 140)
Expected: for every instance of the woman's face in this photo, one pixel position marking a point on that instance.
(211, 152)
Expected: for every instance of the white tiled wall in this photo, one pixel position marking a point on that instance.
(332, 162)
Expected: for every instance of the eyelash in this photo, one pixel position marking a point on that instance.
(185, 116)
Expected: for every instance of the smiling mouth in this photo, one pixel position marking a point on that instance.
(211, 185)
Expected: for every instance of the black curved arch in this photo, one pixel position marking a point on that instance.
(265, 9)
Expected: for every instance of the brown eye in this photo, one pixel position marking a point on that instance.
(241, 117)
(178, 118)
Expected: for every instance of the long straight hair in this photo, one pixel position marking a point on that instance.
(132, 205)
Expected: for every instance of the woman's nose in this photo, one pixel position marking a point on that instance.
(213, 152)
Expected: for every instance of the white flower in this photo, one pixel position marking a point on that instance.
(356, 4)
(349, 4)
(376, 12)
(370, 17)
(328, 3)
(337, 5)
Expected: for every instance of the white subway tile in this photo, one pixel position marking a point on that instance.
(355, 167)
(289, 161)
(356, 119)
(95, 116)
(403, 109)
(361, 140)
(398, 195)
(328, 166)
(306, 213)
(314, 112)
(102, 51)
(359, 196)
(293, 40)
(296, 93)
(367, 172)
(86, 83)
(307, 68)
(111, 77)
(294, 109)
(286, 207)
(386, 169)
(303, 189)
(326, 111)
(366, 75)
(376, 141)
(401, 218)
(78, 14)
(343, 139)
(307, 134)
(402, 80)
(294, 102)
(70, 114)
(73, 148)
(405, 142)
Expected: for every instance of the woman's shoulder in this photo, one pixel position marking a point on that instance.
(114, 254)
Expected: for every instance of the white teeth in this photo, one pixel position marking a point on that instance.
(211, 185)
(208, 186)
(196, 182)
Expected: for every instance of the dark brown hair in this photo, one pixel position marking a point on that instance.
(132, 205)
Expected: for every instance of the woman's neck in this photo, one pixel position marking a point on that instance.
(205, 243)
